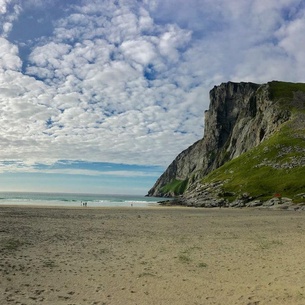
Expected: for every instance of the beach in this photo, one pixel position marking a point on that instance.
(156, 255)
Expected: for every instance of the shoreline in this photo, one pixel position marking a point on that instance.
(288, 208)
(74, 200)
(79, 205)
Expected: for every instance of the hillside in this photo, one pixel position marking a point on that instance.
(253, 148)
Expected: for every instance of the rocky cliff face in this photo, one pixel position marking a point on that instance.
(240, 117)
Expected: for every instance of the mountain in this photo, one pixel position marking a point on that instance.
(253, 148)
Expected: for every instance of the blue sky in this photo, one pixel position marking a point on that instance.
(100, 96)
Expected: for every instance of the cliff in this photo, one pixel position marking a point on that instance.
(241, 117)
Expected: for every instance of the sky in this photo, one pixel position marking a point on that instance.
(100, 96)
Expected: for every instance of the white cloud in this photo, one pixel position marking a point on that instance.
(3, 6)
(172, 40)
(9, 59)
(140, 51)
(145, 21)
(10, 10)
(7, 26)
(125, 82)
(291, 39)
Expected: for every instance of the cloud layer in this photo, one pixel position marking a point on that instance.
(128, 81)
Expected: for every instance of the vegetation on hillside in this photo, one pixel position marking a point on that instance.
(176, 187)
(284, 90)
(276, 166)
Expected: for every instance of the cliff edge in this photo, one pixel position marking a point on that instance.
(241, 117)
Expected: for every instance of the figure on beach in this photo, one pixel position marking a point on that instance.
(84, 204)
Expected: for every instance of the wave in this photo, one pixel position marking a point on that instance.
(59, 199)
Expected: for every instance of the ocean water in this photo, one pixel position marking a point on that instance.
(75, 200)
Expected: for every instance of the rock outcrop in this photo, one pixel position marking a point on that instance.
(240, 117)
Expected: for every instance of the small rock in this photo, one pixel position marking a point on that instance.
(254, 203)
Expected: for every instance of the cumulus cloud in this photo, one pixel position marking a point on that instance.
(3, 4)
(128, 81)
(291, 39)
(9, 12)
(9, 59)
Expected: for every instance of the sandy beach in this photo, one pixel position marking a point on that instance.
(151, 256)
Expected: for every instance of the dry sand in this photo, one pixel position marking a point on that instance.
(151, 256)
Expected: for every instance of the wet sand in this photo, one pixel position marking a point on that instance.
(151, 256)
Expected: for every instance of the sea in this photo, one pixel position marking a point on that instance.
(76, 200)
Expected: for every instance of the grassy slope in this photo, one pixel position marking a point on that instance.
(259, 171)
(176, 187)
(243, 175)
(284, 90)
(255, 172)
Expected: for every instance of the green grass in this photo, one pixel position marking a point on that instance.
(176, 187)
(284, 90)
(254, 172)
